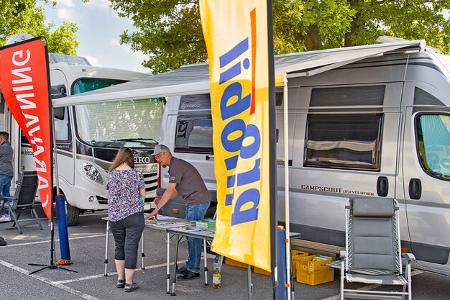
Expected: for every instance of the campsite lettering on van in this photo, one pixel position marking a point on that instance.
(239, 137)
(336, 190)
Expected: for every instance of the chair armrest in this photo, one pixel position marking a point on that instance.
(409, 257)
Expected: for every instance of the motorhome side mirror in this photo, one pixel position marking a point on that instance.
(59, 113)
(58, 91)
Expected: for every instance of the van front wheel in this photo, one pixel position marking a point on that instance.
(73, 214)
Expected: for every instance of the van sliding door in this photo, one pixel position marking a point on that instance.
(426, 172)
(345, 146)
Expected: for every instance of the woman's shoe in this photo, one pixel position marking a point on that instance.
(120, 284)
(131, 287)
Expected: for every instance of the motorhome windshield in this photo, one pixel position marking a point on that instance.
(84, 85)
(433, 141)
(133, 123)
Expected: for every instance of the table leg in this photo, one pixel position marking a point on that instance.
(205, 259)
(175, 263)
(168, 263)
(142, 251)
(292, 278)
(106, 249)
(249, 282)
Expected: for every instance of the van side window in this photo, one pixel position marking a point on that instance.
(63, 133)
(423, 98)
(348, 96)
(433, 144)
(344, 141)
(194, 134)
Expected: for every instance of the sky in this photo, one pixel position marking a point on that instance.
(99, 29)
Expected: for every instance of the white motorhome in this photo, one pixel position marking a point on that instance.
(88, 137)
(367, 121)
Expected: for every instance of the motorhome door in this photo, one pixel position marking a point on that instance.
(193, 135)
(63, 128)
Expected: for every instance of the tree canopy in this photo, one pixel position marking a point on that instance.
(169, 31)
(25, 16)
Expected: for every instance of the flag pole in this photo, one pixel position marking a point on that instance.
(52, 264)
(272, 153)
(53, 167)
(286, 185)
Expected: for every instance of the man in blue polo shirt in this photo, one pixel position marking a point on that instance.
(185, 181)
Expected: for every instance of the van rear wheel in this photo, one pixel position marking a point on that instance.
(73, 214)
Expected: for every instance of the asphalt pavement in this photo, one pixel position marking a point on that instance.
(87, 245)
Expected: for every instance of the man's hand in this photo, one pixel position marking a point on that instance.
(152, 214)
(170, 193)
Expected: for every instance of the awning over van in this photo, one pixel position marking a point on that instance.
(194, 79)
(316, 62)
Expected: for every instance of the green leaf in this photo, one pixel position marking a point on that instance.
(25, 16)
(169, 31)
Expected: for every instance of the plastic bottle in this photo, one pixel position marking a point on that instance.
(216, 276)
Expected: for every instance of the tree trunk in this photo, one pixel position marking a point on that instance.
(354, 25)
(312, 39)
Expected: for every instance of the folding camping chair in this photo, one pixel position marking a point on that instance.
(23, 199)
(373, 253)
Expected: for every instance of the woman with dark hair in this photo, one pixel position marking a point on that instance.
(126, 191)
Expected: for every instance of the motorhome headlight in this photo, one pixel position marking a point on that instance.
(92, 173)
(153, 168)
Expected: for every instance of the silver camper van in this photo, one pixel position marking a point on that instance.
(362, 122)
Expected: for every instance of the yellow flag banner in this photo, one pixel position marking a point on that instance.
(235, 32)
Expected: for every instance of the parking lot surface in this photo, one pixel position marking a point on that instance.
(87, 245)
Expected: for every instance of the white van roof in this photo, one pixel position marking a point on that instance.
(194, 79)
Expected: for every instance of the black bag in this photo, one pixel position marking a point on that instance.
(2, 242)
